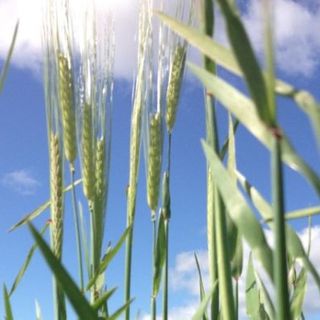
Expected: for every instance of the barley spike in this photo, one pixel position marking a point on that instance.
(154, 161)
(67, 107)
(56, 186)
(174, 85)
(87, 153)
(100, 167)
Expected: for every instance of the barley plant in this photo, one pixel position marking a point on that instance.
(78, 85)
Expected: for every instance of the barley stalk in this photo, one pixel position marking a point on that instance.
(154, 161)
(67, 107)
(56, 186)
(174, 85)
(87, 153)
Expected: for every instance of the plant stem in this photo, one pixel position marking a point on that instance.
(237, 298)
(77, 223)
(208, 21)
(153, 298)
(224, 269)
(128, 262)
(166, 228)
(165, 276)
(280, 252)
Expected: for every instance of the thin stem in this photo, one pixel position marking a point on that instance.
(165, 276)
(169, 152)
(153, 298)
(237, 298)
(128, 262)
(77, 223)
(280, 252)
(208, 26)
(166, 227)
(224, 269)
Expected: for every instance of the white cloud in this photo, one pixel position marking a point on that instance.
(20, 181)
(298, 44)
(184, 276)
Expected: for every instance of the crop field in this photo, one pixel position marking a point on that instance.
(187, 190)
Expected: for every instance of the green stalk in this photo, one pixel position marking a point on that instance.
(128, 263)
(153, 298)
(165, 277)
(280, 252)
(207, 19)
(77, 225)
(224, 268)
(166, 228)
(236, 294)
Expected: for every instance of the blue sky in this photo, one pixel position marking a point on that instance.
(24, 160)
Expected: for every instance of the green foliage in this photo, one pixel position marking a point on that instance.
(5, 67)
(78, 301)
(230, 216)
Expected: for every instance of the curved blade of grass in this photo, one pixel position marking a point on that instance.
(299, 295)
(108, 257)
(265, 297)
(78, 301)
(294, 245)
(5, 68)
(35, 213)
(26, 263)
(247, 61)
(303, 213)
(204, 304)
(306, 103)
(121, 310)
(160, 255)
(234, 239)
(240, 212)
(7, 305)
(204, 43)
(298, 214)
(237, 259)
(201, 286)
(102, 299)
(225, 58)
(252, 292)
(243, 109)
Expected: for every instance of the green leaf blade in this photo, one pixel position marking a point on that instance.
(76, 298)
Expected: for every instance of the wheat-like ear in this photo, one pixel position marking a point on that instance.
(100, 167)
(56, 189)
(174, 85)
(88, 175)
(154, 161)
(67, 107)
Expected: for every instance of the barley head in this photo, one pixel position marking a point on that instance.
(100, 167)
(134, 154)
(56, 186)
(174, 85)
(67, 107)
(166, 201)
(87, 153)
(154, 161)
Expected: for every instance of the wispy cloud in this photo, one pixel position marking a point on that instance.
(296, 22)
(20, 181)
(184, 277)
(297, 42)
